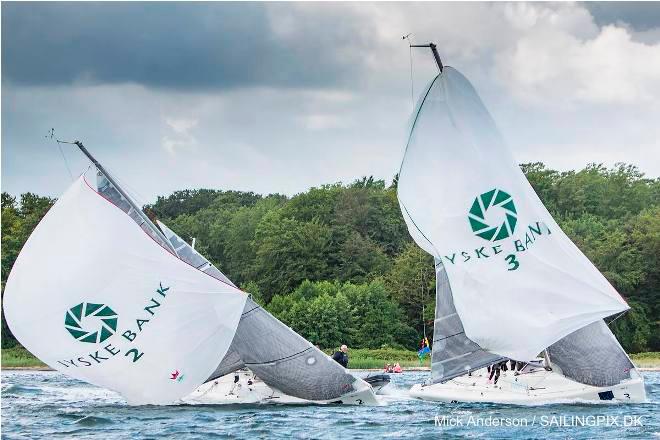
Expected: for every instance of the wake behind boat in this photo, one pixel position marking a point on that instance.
(509, 283)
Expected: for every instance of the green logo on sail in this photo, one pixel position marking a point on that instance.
(495, 199)
(101, 318)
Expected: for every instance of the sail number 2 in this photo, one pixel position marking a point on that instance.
(513, 263)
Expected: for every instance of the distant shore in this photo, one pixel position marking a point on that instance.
(18, 358)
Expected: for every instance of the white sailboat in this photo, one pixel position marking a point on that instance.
(243, 386)
(103, 295)
(509, 283)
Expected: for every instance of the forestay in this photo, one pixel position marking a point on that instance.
(518, 283)
(96, 298)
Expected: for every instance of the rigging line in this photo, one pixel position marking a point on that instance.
(421, 276)
(412, 81)
(66, 164)
(617, 317)
(51, 136)
(412, 84)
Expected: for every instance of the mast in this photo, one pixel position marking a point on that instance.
(435, 53)
(136, 208)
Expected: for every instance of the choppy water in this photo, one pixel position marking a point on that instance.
(50, 405)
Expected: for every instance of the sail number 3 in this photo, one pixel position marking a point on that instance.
(513, 263)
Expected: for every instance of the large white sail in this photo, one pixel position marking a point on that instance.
(518, 283)
(96, 298)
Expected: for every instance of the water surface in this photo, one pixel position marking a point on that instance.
(45, 405)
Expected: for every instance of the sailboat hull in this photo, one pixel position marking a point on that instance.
(243, 387)
(535, 388)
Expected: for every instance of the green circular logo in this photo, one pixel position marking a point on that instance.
(495, 199)
(90, 322)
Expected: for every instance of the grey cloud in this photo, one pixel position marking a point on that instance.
(640, 16)
(189, 46)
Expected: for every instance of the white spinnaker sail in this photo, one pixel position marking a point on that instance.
(519, 284)
(96, 298)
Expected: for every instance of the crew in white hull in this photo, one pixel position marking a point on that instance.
(243, 387)
(536, 387)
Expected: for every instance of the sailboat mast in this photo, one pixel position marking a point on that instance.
(435, 53)
(125, 196)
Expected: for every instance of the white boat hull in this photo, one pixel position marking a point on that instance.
(538, 387)
(244, 388)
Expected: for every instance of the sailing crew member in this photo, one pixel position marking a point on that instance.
(495, 371)
(341, 356)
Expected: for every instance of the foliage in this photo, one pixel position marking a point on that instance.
(411, 282)
(336, 262)
(377, 358)
(331, 314)
(19, 357)
(191, 201)
(18, 221)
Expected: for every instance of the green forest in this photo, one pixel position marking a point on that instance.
(336, 263)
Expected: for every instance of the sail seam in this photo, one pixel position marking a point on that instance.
(251, 310)
(280, 359)
(447, 337)
(417, 227)
(456, 357)
(445, 317)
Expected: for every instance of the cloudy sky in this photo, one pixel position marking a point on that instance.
(279, 97)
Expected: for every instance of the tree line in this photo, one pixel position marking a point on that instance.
(336, 263)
